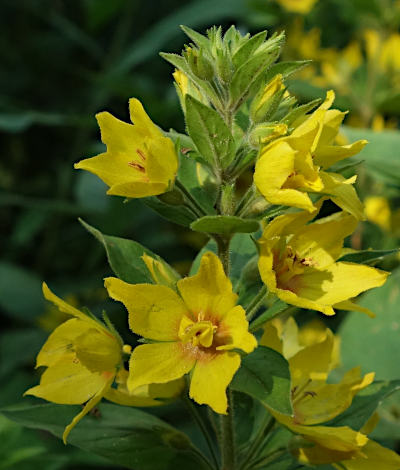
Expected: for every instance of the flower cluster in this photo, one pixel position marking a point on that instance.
(196, 335)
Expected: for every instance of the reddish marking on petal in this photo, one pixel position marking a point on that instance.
(137, 166)
(141, 154)
(107, 374)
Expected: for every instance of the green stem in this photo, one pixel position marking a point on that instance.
(258, 441)
(256, 303)
(199, 211)
(203, 428)
(267, 459)
(248, 198)
(227, 437)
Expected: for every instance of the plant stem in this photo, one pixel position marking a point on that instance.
(256, 303)
(246, 200)
(255, 446)
(227, 437)
(199, 211)
(203, 428)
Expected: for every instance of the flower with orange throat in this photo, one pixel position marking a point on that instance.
(195, 332)
(140, 161)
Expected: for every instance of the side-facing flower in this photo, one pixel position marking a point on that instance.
(139, 160)
(293, 166)
(83, 357)
(298, 6)
(312, 352)
(195, 332)
(298, 262)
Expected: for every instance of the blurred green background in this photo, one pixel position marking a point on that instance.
(65, 60)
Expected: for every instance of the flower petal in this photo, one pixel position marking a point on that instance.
(273, 168)
(158, 363)
(235, 326)
(155, 311)
(328, 155)
(68, 382)
(210, 290)
(374, 456)
(210, 379)
(338, 282)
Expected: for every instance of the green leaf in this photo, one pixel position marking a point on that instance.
(247, 49)
(225, 224)
(367, 256)
(374, 343)
(248, 75)
(381, 153)
(365, 403)
(264, 375)
(125, 257)
(178, 214)
(276, 308)
(20, 292)
(126, 436)
(210, 134)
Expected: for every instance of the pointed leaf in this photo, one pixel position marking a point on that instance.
(126, 436)
(367, 256)
(210, 134)
(264, 375)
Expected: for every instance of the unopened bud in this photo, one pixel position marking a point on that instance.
(265, 133)
(199, 64)
(267, 100)
(224, 66)
(160, 272)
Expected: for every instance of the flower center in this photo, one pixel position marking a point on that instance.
(200, 333)
(139, 166)
(287, 266)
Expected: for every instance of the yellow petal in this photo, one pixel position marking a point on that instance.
(322, 241)
(271, 337)
(142, 122)
(98, 351)
(88, 407)
(162, 161)
(333, 119)
(68, 382)
(318, 455)
(303, 302)
(338, 282)
(374, 457)
(329, 400)
(235, 326)
(60, 342)
(69, 309)
(210, 379)
(210, 290)
(328, 155)
(353, 307)
(343, 193)
(312, 362)
(273, 168)
(125, 399)
(137, 189)
(159, 363)
(155, 312)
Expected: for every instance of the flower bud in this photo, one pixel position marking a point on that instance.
(264, 133)
(160, 272)
(267, 100)
(199, 64)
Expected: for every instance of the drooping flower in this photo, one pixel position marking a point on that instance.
(140, 161)
(298, 262)
(83, 358)
(293, 166)
(194, 332)
(313, 352)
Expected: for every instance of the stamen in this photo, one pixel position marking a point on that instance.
(141, 154)
(137, 166)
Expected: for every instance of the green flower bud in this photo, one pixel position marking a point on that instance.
(265, 133)
(267, 100)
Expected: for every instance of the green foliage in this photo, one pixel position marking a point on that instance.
(264, 375)
(126, 436)
(368, 256)
(225, 225)
(125, 257)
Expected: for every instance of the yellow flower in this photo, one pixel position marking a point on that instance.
(298, 6)
(139, 160)
(82, 359)
(195, 332)
(312, 353)
(377, 210)
(298, 262)
(292, 166)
